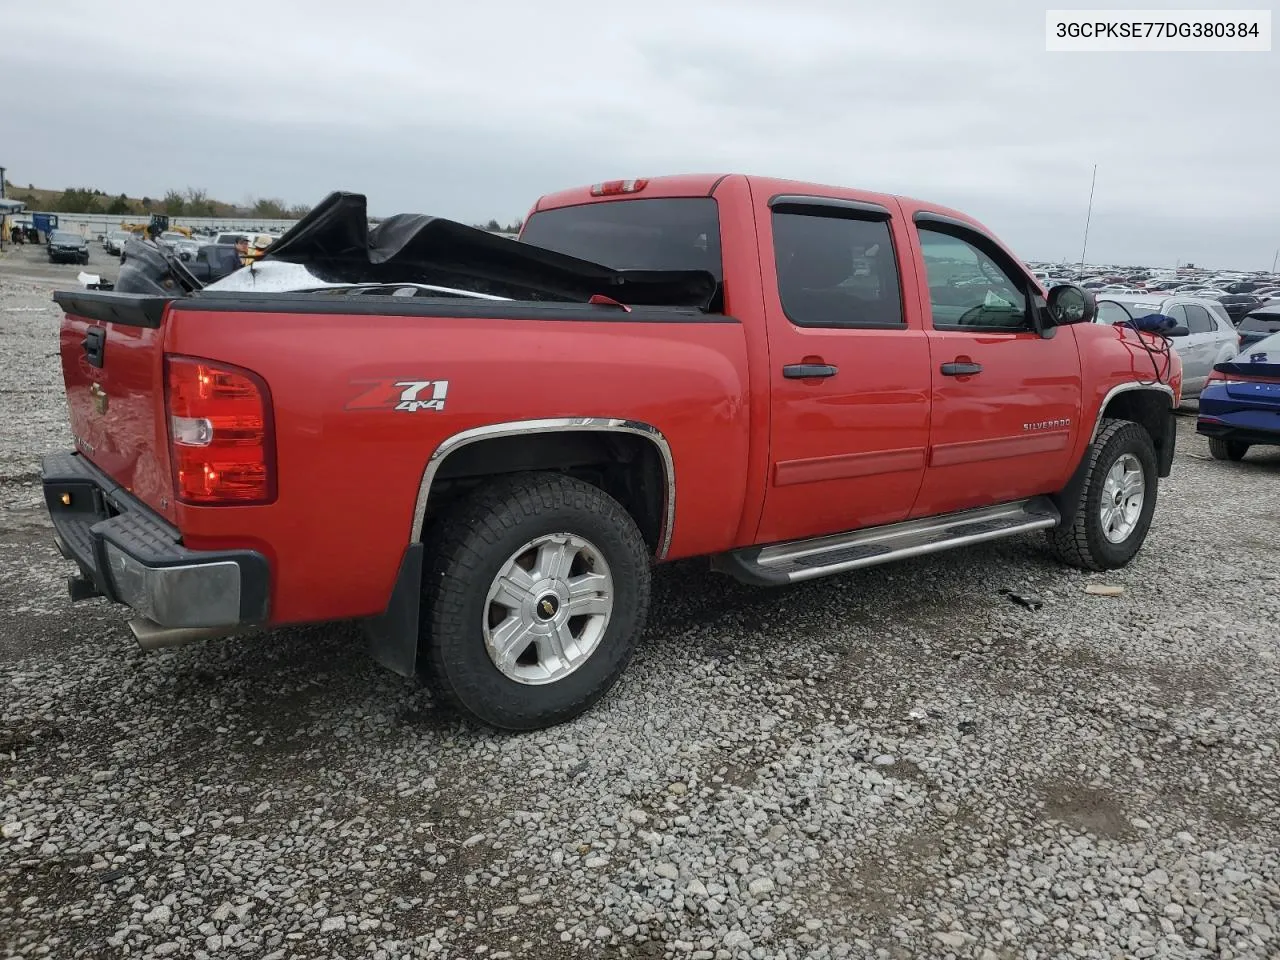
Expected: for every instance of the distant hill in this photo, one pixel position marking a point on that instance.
(192, 202)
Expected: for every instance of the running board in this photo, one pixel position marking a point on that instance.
(780, 563)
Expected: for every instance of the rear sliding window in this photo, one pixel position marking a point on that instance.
(665, 233)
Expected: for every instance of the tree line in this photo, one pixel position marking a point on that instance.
(191, 202)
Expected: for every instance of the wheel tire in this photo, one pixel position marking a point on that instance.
(1083, 542)
(466, 552)
(1222, 449)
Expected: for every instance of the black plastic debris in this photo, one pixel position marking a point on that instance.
(1028, 600)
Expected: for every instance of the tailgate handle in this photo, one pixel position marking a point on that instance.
(95, 340)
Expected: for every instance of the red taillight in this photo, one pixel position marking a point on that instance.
(220, 436)
(613, 187)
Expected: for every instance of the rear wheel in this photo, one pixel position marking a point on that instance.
(1222, 449)
(1116, 504)
(537, 589)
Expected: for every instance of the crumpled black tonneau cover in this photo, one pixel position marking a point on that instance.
(335, 243)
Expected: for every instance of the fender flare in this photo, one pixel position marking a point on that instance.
(1068, 498)
(392, 636)
(514, 428)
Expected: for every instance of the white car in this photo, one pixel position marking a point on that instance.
(113, 241)
(1211, 336)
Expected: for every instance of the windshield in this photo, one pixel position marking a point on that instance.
(62, 236)
(679, 233)
(1109, 311)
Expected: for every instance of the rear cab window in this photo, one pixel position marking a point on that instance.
(662, 233)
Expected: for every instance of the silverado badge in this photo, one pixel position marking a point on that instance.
(99, 397)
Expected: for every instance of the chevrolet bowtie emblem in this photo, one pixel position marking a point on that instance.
(547, 608)
(99, 397)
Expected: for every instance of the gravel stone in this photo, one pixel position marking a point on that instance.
(913, 765)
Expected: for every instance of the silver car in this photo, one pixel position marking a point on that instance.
(1211, 337)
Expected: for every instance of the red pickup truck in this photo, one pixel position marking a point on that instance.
(479, 446)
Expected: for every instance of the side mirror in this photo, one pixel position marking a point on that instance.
(1071, 304)
(1178, 331)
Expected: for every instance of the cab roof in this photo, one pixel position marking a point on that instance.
(706, 184)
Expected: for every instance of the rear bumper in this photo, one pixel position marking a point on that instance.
(131, 555)
(1225, 430)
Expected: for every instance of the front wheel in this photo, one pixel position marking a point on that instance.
(1221, 449)
(537, 589)
(1117, 501)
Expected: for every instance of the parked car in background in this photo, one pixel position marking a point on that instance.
(114, 240)
(1258, 324)
(213, 261)
(1210, 338)
(1238, 304)
(186, 249)
(67, 247)
(1240, 405)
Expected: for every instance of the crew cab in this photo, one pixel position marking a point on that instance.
(480, 446)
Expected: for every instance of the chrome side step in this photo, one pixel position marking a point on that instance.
(798, 560)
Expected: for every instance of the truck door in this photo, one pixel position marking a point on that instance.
(849, 367)
(1006, 402)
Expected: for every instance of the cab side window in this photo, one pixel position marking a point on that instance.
(1178, 314)
(968, 289)
(1198, 319)
(836, 270)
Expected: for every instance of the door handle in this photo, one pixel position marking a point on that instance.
(960, 368)
(807, 371)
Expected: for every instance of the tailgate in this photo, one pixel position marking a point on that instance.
(111, 345)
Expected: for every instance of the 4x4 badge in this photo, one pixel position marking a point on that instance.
(407, 395)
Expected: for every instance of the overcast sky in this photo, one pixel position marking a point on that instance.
(473, 110)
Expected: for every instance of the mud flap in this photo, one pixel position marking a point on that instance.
(1165, 445)
(393, 635)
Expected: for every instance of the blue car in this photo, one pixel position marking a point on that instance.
(1240, 405)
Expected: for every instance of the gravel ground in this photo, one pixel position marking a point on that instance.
(896, 763)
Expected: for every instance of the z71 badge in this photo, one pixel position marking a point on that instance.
(408, 395)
